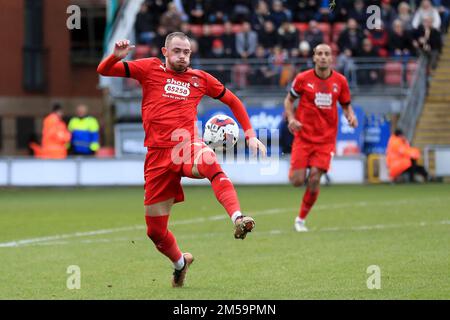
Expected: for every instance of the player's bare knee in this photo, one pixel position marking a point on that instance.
(297, 181)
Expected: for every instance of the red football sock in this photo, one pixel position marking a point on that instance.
(309, 198)
(222, 186)
(163, 239)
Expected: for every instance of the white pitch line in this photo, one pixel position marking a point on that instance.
(319, 207)
(263, 233)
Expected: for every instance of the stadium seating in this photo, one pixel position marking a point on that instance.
(338, 27)
(141, 51)
(393, 73)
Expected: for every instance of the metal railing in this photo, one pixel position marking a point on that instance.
(366, 76)
(415, 100)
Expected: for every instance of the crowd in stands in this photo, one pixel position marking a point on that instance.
(278, 30)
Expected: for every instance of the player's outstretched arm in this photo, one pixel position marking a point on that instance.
(241, 115)
(111, 65)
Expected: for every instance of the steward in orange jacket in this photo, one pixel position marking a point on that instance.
(401, 157)
(55, 136)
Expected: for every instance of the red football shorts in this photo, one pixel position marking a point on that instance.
(307, 155)
(163, 170)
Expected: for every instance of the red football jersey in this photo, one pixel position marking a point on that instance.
(317, 109)
(170, 99)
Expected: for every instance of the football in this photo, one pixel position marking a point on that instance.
(221, 132)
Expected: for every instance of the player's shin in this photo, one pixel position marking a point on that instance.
(163, 239)
(309, 198)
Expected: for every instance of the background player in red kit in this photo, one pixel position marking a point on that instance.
(171, 93)
(314, 125)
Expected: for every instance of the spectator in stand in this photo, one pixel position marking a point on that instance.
(343, 8)
(400, 41)
(218, 69)
(246, 42)
(379, 38)
(180, 7)
(428, 41)
(219, 12)
(358, 12)
(278, 14)
(404, 15)
(143, 25)
(288, 36)
(425, 10)
(195, 56)
(304, 10)
(260, 16)
(388, 13)
(443, 7)
(365, 74)
(242, 11)
(314, 36)
(218, 49)
(305, 55)
(350, 39)
(229, 41)
(268, 37)
(186, 29)
(261, 73)
(172, 18)
(156, 9)
(205, 42)
(325, 14)
(160, 37)
(197, 11)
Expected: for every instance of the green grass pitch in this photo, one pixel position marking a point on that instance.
(403, 229)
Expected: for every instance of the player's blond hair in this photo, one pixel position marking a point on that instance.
(176, 34)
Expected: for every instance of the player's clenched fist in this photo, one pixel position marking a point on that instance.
(352, 120)
(294, 125)
(122, 48)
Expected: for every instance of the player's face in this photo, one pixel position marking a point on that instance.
(178, 54)
(323, 57)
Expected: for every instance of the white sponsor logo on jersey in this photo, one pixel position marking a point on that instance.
(310, 85)
(178, 88)
(323, 100)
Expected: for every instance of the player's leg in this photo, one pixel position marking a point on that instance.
(319, 162)
(157, 218)
(204, 164)
(162, 190)
(311, 192)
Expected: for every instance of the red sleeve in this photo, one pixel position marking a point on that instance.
(296, 87)
(138, 68)
(214, 88)
(239, 112)
(111, 67)
(344, 97)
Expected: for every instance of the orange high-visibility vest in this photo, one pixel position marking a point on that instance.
(55, 138)
(399, 154)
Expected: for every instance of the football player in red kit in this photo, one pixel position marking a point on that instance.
(171, 93)
(314, 124)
